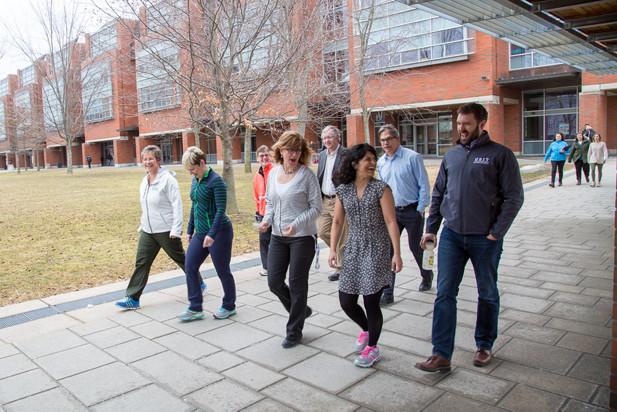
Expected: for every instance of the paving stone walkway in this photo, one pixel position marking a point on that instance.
(552, 353)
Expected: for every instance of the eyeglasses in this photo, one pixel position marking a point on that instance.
(293, 151)
(386, 140)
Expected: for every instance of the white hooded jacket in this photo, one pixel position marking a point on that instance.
(161, 204)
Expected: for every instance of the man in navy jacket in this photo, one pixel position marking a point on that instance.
(478, 193)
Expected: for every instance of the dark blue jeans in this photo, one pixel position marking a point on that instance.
(220, 251)
(454, 252)
(412, 221)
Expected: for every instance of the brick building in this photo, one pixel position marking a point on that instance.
(419, 68)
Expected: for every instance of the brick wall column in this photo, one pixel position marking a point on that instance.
(593, 109)
(188, 140)
(355, 130)
(125, 154)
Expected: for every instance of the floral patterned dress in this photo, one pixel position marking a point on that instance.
(367, 264)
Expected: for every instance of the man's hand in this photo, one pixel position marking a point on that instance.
(428, 237)
(491, 237)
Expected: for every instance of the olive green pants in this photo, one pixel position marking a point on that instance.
(149, 246)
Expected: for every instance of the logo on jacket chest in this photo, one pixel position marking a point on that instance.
(481, 160)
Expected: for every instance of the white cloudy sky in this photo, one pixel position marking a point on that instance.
(18, 14)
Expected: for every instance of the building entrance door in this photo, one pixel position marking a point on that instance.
(167, 152)
(425, 139)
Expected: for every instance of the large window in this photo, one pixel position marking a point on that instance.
(97, 92)
(103, 41)
(26, 76)
(164, 14)
(53, 97)
(2, 121)
(22, 100)
(427, 134)
(4, 87)
(524, 59)
(402, 36)
(156, 64)
(545, 113)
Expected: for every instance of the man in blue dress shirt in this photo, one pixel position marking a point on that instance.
(403, 170)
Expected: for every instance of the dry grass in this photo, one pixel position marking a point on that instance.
(63, 233)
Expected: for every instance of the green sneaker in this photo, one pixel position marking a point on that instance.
(190, 315)
(224, 313)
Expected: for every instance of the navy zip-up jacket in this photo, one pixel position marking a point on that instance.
(478, 190)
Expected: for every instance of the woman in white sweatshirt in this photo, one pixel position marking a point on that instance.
(597, 155)
(161, 223)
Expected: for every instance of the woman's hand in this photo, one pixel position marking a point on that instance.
(188, 238)
(332, 261)
(263, 227)
(397, 263)
(289, 231)
(174, 237)
(208, 241)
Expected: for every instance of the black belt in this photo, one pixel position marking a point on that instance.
(414, 205)
(329, 197)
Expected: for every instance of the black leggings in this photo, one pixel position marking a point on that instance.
(557, 164)
(372, 321)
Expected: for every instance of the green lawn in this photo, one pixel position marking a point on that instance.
(63, 233)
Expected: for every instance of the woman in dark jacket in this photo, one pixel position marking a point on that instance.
(578, 154)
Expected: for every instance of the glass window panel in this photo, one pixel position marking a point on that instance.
(561, 123)
(425, 54)
(410, 56)
(561, 99)
(2, 121)
(533, 101)
(517, 62)
(455, 48)
(437, 52)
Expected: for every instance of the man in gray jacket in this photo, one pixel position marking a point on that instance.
(329, 160)
(478, 193)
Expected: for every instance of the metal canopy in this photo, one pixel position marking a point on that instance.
(580, 33)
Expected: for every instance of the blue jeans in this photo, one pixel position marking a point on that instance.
(412, 221)
(454, 252)
(220, 251)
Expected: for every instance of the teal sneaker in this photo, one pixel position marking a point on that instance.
(128, 303)
(203, 286)
(190, 315)
(369, 356)
(224, 313)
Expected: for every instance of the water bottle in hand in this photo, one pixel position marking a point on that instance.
(428, 257)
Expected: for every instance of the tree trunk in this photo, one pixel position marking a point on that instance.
(248, 132)
(196, 133)
(228, 172)
(17, 162)
(302, 118)
(69, 156)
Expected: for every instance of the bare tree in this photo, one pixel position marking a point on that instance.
(61, 27)
(220, 63)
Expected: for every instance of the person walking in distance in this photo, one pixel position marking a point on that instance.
(557, 152)
(578, 154)
(478, 192)
(597, 155)
(89, 160)
(404, 172)
(329, 160)
(260, 181)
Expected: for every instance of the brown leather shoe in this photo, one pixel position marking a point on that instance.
(482, 357)
(434, 363)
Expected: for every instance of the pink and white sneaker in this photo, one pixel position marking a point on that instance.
(361, 343)
(369, 356)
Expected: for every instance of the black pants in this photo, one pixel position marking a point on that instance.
(370, 322)
(412, 221)
(557, 164)
(579, 165)
(295, 254)
(264, 245)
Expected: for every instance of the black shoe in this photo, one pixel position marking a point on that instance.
(425, 285)
(334, 277)
(386, 299)
(289, 343)
(308, 312)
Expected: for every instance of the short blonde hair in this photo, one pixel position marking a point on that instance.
(155, 150)
(192, 157)
(292, 140)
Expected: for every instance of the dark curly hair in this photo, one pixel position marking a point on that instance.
(346, 172)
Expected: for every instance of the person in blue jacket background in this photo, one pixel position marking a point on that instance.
(557, 152)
